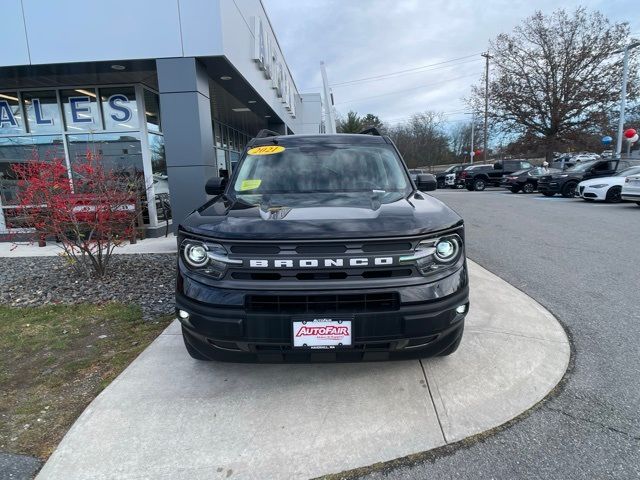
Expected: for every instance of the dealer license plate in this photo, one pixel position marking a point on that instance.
(322, 332)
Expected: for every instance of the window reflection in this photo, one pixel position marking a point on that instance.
(160, 177)
(10, 113)
(43, 114)
(80, 109)
(14, 150)
(152, 111)
(119, 108)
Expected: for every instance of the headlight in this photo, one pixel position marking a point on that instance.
(437, 254)
(446, 249)
(600, 185)
(204, 257)
(195, 254)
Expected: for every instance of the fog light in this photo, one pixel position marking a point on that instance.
(184, 315)
(461, 309)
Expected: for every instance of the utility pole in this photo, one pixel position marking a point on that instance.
(473, 127)
(328, 98)
(623, 95)
(486, 104)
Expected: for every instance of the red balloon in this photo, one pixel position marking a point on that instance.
(630, 133)
(478, 153)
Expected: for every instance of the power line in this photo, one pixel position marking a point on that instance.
(355, 100)
(400, 72)
(405, 72)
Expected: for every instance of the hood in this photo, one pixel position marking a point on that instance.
(418, 214)
(608, 180)
(574, 175)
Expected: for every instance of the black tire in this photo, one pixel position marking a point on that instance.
(514, 189)
(548, 194)
(528, 187)
(638, 203)
(569, 189)
(614, 195)
(441, 184)
(191, 350)
(479, 184)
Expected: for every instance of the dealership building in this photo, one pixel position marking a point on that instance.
(167, 90)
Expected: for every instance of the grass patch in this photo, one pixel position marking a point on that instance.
(55, 360)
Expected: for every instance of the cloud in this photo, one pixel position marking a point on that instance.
(358, 38)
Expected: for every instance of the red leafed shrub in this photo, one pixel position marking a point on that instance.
(90, 216)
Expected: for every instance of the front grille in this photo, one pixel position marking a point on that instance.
(365, 302)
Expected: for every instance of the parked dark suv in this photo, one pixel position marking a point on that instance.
(566, 182)
(478, 177)
(321, 248)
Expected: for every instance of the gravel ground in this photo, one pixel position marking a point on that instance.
(144, 279)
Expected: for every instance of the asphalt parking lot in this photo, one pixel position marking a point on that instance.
(581, 261)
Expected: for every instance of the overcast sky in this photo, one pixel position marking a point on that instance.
(365, 38)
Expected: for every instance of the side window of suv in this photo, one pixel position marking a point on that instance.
(605, 167)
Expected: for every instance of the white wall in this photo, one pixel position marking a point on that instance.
(238, 46)
(70, 31)
(64, 31)
(14, 49)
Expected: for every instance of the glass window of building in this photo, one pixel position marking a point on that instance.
(80, 110)
(218, 134)
(119, 108)
(160, 177)
(43, 113)
(15, 150)
(10, 114)
(152, 111)
(119, 152)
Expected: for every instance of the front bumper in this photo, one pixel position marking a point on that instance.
(424, 322)
(592, 193)
(553, 186)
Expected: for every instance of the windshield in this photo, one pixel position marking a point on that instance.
(309, 173)
(628, 171)
(520, 172)
(581, 167)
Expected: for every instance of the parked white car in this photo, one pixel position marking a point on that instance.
(631, 189)
(608, 189)
(584, 157)
(450, 180)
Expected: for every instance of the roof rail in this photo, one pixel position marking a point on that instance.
(370, 131)
(267, 133)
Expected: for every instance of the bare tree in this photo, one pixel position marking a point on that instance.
(422, 140)
(556, 76)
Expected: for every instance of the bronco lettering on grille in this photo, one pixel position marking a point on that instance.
(325, 262)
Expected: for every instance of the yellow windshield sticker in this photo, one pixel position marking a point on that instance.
(250, 184)
(266, 150)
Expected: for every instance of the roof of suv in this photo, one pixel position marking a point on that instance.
(350, 138)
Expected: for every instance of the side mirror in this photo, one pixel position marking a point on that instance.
(426, 182)
(215, 185)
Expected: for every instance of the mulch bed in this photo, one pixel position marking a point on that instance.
(147, 280)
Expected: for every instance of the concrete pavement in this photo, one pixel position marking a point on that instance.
(147, 245)
(168, 416)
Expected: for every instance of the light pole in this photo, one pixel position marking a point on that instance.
(623, 93)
